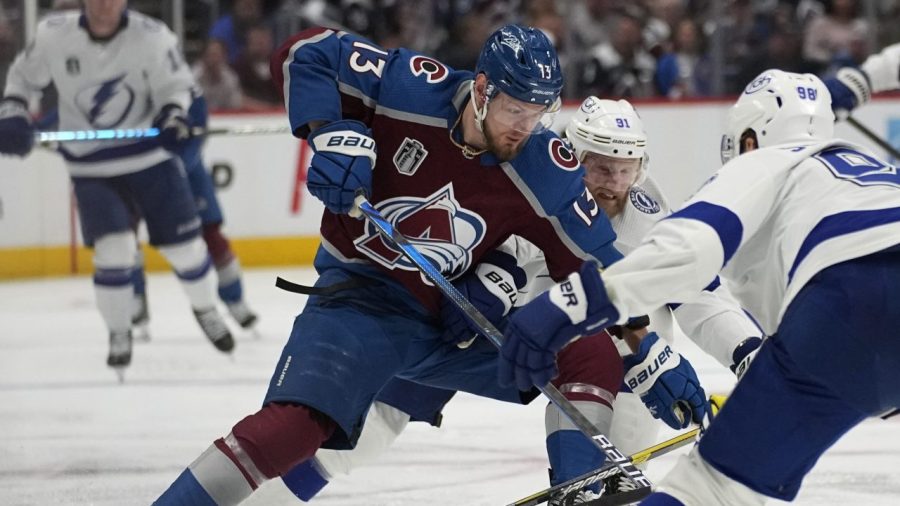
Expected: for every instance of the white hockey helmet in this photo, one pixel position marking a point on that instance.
(608, 127)
(779, 107)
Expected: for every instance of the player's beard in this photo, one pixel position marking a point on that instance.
(502, 149)
(611, 206)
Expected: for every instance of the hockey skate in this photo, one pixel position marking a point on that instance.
(119, 352)
(242, 314)
(140, 318)
(214, 327)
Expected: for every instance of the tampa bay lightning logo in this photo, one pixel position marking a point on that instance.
(758, 84)
(445, 233)
(106, 105)
(643, 202)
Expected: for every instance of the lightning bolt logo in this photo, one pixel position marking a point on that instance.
(106, 91)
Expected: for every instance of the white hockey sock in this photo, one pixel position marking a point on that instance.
(383, 424)
(193, 265)
(633, 427)
(115, 305)
(114, 256)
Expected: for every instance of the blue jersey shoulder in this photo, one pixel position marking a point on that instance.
(418, 84)
(550, 170)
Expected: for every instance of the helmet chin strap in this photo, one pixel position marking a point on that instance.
(481, 113)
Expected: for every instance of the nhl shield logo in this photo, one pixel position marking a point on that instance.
(409, 156)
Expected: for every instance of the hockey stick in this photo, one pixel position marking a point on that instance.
(608, 470)
(485, 327)
(883, 144)
(45, 138)
(716, 401)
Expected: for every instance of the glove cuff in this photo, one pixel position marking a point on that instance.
(858, 83)
(11, 107)
(655, 356)
(346, 137)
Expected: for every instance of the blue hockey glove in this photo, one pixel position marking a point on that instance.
(743, 354)
(492, 288)
(16, 130)
(666, 382)
(536, 332)
(173, 126)
(342, 162)
(849, 89)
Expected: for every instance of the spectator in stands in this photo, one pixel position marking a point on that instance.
(839, 37)
(231, 29)
(686, 71)
(218, 81)
(620, 67)
(252, 69)
(783, 50)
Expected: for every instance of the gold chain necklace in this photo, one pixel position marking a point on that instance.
(467, 151)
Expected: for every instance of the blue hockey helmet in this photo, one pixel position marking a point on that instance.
(521, 62)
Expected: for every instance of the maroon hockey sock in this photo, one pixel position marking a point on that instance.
(280, 436)
(590, 369)
(218, 245)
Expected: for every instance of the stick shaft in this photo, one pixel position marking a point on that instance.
(872, 136)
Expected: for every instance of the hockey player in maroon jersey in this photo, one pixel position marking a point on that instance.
(463, 162)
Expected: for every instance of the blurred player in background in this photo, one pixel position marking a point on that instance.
(228, 269)
(114, 68)
(808, 231)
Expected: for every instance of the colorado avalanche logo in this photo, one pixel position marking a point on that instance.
(758, 84)
(436, 225)
(107, 104)
(643, 202)
(433, 69)
(561, 155)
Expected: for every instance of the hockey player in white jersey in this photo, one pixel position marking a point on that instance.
(119, 69)
(852, 87)
(610, 141)
(807, 230)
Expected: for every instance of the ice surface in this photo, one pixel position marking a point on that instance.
(69, 434)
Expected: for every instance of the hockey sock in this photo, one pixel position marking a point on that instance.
(590, 373)
(113, 265)
(193, 266)
(137, 275)
(230, 288)
(306, 480)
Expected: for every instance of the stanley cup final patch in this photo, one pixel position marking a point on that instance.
(409, 156)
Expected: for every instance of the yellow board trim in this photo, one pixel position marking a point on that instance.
(63, 261)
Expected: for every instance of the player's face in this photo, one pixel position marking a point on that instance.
(609, 179)
(104, 16)
(509, 123)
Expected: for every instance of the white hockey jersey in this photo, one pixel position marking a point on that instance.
(121, 82)
(883, 69)
(713, 319)
(773, 218)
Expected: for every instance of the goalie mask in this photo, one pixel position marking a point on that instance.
(776, 108)
(611, 128)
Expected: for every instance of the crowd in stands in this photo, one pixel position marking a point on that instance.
(612, 48)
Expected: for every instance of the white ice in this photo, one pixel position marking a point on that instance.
(70, 434)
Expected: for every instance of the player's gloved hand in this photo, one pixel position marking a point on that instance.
(492, 288)
(173, 127)
(16, 130)
(743, 354)
(342, 162)
(666, 382)
(849, 89)
(538, 330)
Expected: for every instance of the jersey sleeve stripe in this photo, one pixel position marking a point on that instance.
(723, 221)
(842, 224)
